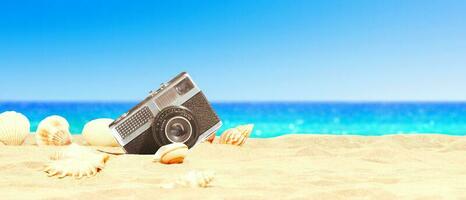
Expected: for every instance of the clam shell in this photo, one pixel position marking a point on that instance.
(14, 128)
(97, 133)
(75, 161)
(53, 130)
(171, 153)
(236, 136)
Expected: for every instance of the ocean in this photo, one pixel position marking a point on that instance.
(279, 118)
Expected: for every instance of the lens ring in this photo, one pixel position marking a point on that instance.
(159, 126)
(178, 129)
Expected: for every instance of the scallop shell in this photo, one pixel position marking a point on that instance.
(14, 128)
(72, 151)
(246, 130)
(192, 179)
(171, 153)
(53, 130)
(97, 133)
(236, 136)
(76, 161)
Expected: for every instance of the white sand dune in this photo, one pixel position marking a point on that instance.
(288, 167)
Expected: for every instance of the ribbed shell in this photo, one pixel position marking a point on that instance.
(71, 151)
(14, 128)
(76, 161)
(236, 136)
(53, 130)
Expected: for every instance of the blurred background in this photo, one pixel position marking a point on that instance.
(339, 67)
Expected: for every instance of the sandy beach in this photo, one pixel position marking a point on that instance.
(287, 167)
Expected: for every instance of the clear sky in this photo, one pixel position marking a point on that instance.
(235, 50)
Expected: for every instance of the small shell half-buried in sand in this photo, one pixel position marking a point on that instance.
(193, 179)
(76, 161)
(171, 153)
(236, 136)
(14, 128)
(53, 130)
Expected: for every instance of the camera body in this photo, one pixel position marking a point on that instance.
(177, 112)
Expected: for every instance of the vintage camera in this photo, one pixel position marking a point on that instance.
(177, 112)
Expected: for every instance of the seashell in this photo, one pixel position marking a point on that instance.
(97, 133)
(171, 153)
(76, 161)
(197, 179)
(53, 130)
(245, 130)
(192, 179)
(211, 138)
(14, 128)
(236, 136)
(71, 151)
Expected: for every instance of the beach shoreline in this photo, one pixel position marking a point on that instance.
(295, 166)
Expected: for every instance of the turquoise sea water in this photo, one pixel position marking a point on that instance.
(274, 119)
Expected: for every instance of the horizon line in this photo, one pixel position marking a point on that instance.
(243, 101)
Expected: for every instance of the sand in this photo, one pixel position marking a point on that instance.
(287, 167)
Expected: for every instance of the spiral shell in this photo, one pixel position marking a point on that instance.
(97, 133)
(75, 161)
(53, 130)
(14, 128)
(197, 179)
(171, 153)
(193, 179)
(236, 136)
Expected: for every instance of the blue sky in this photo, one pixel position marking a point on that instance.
(235, 50)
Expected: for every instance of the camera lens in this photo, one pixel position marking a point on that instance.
(178, 129)
(175, 124)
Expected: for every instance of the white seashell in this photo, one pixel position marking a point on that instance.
(97, 133)
(245, 130)
(197, 179)
(14, 128)
(71, 151)
(53, 130)
(193, 179)
(171, 153)
(76, 161)
(230, 136)
(236, 136)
